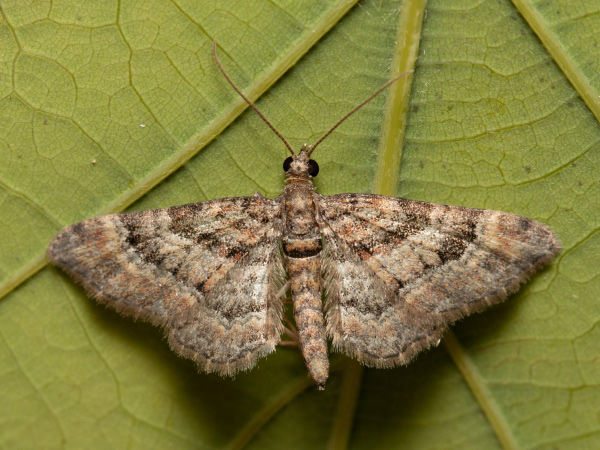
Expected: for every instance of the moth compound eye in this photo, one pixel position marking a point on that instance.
(287, 163)
(313, 168)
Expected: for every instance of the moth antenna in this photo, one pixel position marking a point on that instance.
(356, 108)
(214, 50)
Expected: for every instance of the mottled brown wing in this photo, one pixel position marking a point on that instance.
(399, 271)
(208, 272)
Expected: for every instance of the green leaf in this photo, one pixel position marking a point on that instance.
(112, 105)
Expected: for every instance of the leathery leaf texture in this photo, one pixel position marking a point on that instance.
(114, 106)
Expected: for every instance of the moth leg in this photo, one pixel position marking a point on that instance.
(286, 287)
(290, 331)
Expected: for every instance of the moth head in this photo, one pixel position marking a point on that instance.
(300, 165)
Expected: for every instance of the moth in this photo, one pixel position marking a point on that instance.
(394, 272)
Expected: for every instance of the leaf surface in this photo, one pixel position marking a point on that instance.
(107, 106)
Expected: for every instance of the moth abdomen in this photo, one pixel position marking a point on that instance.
(302, 248)
(305, 277)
